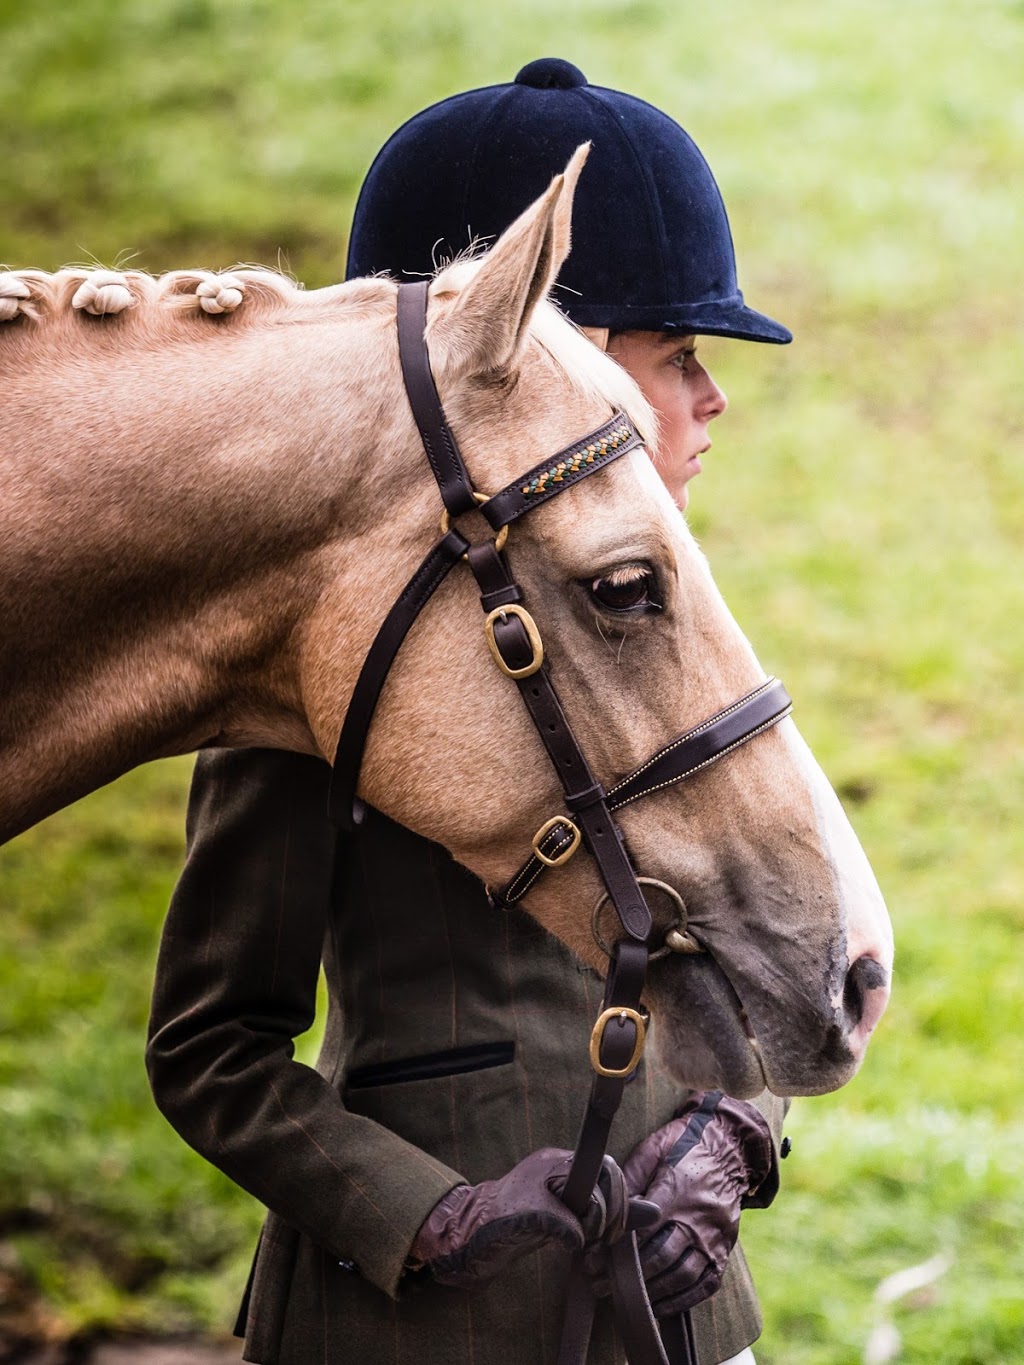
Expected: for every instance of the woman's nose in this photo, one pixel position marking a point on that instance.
(712, 401)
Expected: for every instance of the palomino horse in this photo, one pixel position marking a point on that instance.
(213, 491)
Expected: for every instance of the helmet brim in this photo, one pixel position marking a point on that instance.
(745, 325)
(732, 319)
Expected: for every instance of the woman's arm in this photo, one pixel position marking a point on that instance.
(236, 983)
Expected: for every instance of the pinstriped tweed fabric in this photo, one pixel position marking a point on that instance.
(418, 967)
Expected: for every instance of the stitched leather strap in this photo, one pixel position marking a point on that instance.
(344, 808)
(438, 440)
(617, 437)
(584, 795)
(711, 740)
(693, 751)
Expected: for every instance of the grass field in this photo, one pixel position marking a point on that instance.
(863, 510)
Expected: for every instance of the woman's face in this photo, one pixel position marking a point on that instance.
(682, 393)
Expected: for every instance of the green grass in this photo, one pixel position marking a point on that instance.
(863, 509)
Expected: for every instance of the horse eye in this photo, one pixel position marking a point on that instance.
(629, 590)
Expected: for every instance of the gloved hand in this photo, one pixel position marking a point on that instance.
(475, 1231)
(715, 1158)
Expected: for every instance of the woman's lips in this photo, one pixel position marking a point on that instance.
(693, 464)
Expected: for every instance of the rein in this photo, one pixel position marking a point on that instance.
(619, 1034)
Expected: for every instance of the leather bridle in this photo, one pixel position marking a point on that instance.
(515, 643)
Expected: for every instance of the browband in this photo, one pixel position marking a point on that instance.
(556, 474)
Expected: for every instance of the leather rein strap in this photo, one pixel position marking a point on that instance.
(619, 1034)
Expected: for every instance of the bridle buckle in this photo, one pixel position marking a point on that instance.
(623, 1014)
(533, 634)
(565, 823)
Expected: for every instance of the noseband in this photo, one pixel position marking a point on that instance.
(618, 1037)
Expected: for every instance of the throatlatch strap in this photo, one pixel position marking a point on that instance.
(438, 440)
(348, 758)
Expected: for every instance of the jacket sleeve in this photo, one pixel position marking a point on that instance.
(236, 983)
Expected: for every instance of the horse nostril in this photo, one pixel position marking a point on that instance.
(865, 975)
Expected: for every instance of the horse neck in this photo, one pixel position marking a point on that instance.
(171, 519)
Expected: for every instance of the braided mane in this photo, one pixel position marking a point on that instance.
(72, 299)
(79, 306)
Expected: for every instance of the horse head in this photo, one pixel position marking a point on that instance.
(796, 949)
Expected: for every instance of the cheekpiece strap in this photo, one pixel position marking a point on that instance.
(583, 794)
(438, 439)
(559, 472)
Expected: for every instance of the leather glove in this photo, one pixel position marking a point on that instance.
(475, 1231)
(713, 1159)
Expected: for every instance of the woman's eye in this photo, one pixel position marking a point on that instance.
(683, 361)
(633, 589)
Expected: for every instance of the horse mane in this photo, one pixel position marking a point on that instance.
(593, 371)
(66, 306)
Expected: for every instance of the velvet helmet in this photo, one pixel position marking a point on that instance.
(651, 249)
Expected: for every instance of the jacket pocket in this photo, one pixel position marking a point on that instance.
(431, 1065)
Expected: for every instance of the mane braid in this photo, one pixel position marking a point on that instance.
(76, 299)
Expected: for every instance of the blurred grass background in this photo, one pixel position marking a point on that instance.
(863, 510)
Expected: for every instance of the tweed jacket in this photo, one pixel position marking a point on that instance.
(456, 1043)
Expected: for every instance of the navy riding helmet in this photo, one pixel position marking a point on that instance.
(652, 250)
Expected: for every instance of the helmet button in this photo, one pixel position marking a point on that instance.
(551, 73)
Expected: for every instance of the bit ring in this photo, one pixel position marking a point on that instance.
(678, 939)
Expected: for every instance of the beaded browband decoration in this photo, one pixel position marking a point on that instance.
(558, 472)
(595, 451)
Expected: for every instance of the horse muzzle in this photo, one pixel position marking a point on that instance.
(743, 1036)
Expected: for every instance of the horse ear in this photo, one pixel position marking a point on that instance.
(486, 327)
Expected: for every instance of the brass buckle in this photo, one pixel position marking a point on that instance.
(530, 625)
(597, 1038)
(567, 853)
(499, 539)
